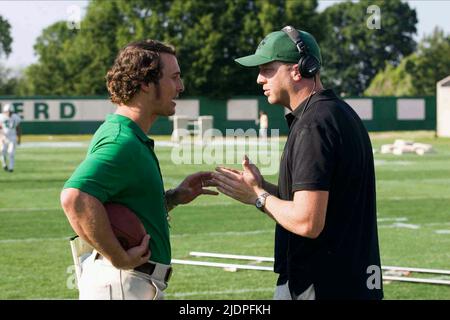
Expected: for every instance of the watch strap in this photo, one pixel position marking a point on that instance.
(262, 198)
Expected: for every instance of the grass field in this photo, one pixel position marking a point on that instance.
(413, 198)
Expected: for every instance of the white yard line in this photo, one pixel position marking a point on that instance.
(442, 231)
(401, 225)
(225, 233)
(208, 293)
(71, 144)
(206, 204)
(231, 256)
(381, 162)
(210, 234)
(414, 198)
(413, 226)
(392, 219)
(27, 209)
(32, 240)
(436, 223)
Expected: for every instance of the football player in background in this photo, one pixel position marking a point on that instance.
(10, 127)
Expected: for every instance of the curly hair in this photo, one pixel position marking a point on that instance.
(139, 62)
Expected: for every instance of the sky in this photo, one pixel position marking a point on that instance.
(29, 18)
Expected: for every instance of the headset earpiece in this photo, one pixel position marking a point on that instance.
(308, 65)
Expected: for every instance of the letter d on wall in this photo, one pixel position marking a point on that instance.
(66, 110)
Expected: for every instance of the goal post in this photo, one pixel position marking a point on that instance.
(183, 125)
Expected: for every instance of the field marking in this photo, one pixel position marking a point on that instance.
(412, 226)
(37, 188)
(240, 233)
(427, 182)
(27, 209)
(392, 219)
(382, 162)
(196, 293)
(442, 231)
(203, 204)
(31, 240)
(400, 225)
(226, 233)
(32, 145)
(200, 204)
(436, 223)
(415, 198)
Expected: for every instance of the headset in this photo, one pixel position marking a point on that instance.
(308, 65)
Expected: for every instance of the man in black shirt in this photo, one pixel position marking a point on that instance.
(326, 241)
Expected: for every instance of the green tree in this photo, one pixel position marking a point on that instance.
(94, 48)
(418, 73)
(5, 37)
(74, 62)
(353, 53)
(7, 82)
(208, 36)
(431, 64)
(392, 81)
(49, 76)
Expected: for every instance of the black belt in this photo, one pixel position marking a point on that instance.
(149, 268)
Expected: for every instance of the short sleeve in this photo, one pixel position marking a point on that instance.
(104, 173)
(313, 159)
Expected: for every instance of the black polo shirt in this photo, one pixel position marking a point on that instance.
(328, 148)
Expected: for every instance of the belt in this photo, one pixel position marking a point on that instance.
(156, 270)
(153, 269)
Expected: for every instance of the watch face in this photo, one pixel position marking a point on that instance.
(258, 203)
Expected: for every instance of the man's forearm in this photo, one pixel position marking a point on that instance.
(285, 214)
(89, 220)
(304, 216)
(282, 211)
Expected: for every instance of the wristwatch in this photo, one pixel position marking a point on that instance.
(167, 195)
(261, 201)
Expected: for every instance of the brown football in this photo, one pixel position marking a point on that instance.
(127, 227)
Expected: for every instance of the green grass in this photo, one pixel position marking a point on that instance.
(413, 199)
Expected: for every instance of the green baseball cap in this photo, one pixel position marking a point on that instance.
(277, 46)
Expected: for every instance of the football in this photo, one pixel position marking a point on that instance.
(127, 227)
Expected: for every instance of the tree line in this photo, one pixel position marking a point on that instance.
(209, 35)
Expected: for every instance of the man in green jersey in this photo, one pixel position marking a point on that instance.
(121, 167)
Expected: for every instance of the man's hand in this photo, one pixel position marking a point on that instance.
(191, 187)
(136, 256)
(244, 186)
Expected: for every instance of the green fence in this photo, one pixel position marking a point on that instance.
(81, 115)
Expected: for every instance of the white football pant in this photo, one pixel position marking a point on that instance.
(8, 149)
